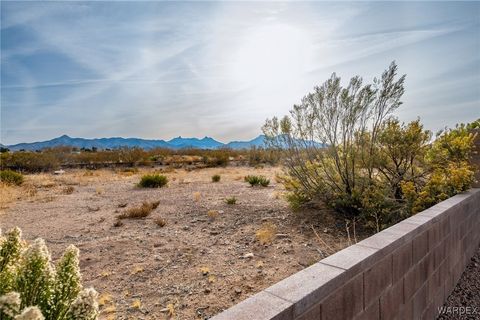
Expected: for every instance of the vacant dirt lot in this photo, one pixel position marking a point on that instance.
(196, 265)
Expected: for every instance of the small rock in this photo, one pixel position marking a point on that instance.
(207, 290)
(248, 255)
(303, 263)
(238, 290)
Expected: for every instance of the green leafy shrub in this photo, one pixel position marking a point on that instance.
(153, 181)
(11, 177)
(257, 181)
(32, 287)
(231, 200)
(216, 178)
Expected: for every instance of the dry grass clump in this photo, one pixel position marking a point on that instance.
(196, 196)
(118, 223)
(29, 189)
(42, 180)
(68, 190)
(160, 222)
(266, 233)
(212, 214)
(231, 200)
(140, 212)
(8, 194)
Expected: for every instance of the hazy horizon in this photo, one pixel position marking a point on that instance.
(128, 137)
(156, 70)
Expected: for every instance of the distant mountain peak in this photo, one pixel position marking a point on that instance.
(117, 142)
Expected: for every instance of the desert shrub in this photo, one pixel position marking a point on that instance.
(68, 190)
(266, 233)
(32, 287)
(258, 156)
(231, 200)
(212, 214)
(139, 212)
(216, 178)
(257, 180)
(26, 161)
(448, 169)
(153, 181)
(11, 177)
(296, 200)
(343, 147)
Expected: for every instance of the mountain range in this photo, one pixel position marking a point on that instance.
(117, 142)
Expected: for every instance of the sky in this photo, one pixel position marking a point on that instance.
(157, 70)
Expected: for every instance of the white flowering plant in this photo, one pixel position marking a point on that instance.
(32, 287)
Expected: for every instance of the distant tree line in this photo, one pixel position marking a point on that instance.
(69, 157)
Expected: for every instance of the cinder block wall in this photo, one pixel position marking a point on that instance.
(404, 272)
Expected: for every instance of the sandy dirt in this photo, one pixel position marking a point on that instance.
(196, 265)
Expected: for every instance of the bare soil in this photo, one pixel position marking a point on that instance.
(195, 266)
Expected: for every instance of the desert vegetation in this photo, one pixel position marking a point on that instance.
(32, 287)
(153, 181)
(131, 158)
(11, 177)
(343, 146)
(231, 200)
(257, 180)
(139, 212)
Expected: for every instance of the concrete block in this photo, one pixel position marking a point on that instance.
(391, 301)
(402, 261)
(420, 246)
(377, 279)
(346, 302)
(420, 302)
(434, 235)
(353, 259)
(262, 306)
(384, 240)
(312, 314)
(372, 312)
(308, 286)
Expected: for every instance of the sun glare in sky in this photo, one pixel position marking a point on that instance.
(271, 55)
(158, 70)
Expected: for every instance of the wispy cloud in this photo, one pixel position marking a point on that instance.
(158, 70)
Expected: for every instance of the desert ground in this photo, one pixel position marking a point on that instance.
(207, 257)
